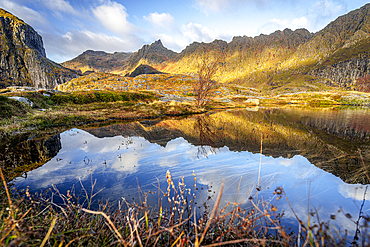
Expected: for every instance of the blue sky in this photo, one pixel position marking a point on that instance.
(69, 27)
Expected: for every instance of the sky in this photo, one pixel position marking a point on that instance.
(70, 27)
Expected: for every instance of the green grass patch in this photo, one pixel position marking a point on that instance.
(10, 107)
(86, 97)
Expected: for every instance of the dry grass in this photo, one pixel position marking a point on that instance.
(37, 220)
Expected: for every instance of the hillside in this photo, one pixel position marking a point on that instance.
(98, 61)
(160, 83)
(23, 60)
(284, 61)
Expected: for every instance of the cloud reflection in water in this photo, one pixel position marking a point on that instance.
(119, 163)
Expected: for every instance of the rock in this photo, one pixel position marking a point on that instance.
(23, 100)
(252, 101)
(344, 74)
(176, 98)
(254, 108)
(144, 69)
(227, 101)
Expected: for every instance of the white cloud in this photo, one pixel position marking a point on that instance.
(280, 24)
(208, 6)
(73, 43)
(160, 20)
(114, 17)
(28, 15)
(325, 11)
(327, 8)
(293, 23)
(58, 6)
(170, 41)
(197, 32)
(213, 5)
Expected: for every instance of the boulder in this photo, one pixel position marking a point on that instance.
(252, 101)
(23, 100)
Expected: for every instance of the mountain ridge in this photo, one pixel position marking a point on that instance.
(283, 59)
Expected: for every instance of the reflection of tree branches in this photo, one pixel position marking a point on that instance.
(202, 127)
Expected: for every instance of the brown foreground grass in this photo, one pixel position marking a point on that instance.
(37, 220)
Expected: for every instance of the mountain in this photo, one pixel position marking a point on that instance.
(284, 61)
(155, 53)
(98, 61)
(342, 48)
(121, 62)
(23, 59)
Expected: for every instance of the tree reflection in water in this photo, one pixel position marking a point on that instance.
(203, 128)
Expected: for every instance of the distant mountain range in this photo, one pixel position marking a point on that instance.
(337, 56)
(284, 60)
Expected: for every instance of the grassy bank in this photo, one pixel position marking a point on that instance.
(81, 107)
(36, 220)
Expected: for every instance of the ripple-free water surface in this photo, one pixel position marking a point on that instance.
(121, 164)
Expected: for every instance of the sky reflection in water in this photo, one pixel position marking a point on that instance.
(119, 164)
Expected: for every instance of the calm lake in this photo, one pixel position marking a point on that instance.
(320, 157)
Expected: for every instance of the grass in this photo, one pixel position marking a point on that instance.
(36, 220)
(84, 107)
(9, 108)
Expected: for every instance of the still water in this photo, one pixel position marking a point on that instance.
(318, 157)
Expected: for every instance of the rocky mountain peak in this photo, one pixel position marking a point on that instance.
(154, 53)
(92, 52)
(21, 34)
(157, 44)
(23, 59)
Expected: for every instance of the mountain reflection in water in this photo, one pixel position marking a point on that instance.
(296, 144)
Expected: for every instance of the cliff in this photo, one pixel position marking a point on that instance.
(23, 59)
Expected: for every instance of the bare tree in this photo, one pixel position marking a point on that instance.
(208, 65)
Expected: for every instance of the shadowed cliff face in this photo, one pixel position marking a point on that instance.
(23, 60)
(330, 139)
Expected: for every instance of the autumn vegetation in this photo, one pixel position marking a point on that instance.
(36, 220)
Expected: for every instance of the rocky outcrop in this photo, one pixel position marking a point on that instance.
(144, 69)
(155, 53)
(287, 38)
(344, 74)
(23, 59)
(337, 33)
